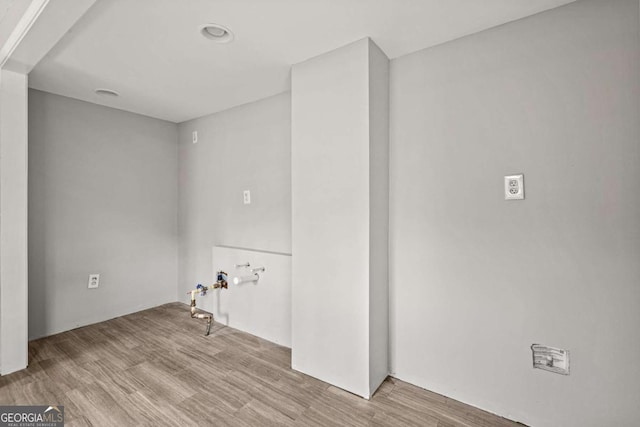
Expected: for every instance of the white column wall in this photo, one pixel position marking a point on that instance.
(379, 216)
(13, 221)
(332, 220)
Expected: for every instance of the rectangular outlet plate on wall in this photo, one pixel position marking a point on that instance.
(514, 187)
(94, 281)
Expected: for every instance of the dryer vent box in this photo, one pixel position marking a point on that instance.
(550, 359)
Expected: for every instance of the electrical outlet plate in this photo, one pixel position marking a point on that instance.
(514, 187)
(94, 281)
(247, 197)
(550, 359)
(194, 135)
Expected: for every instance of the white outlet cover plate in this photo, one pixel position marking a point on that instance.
(247, 197)
(94, 281)
(514, 187)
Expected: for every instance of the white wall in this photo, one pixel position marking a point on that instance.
(476, 279)
(245, 148)
(102, 199)
(334, 157)
(13, 221)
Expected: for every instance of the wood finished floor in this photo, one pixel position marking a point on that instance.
(157, 368)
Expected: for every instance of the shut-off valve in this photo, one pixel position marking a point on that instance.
(221, 283)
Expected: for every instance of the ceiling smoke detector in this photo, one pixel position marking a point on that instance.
(107, 93)
(217, 33)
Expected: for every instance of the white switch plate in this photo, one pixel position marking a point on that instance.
(514, 187)
(550, 359)
(94, 281)
(194, 135)
(247, 197)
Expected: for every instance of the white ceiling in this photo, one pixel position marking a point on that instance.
(10, 13)
(4, 7)
(151, 52)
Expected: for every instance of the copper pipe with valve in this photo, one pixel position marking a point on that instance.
(221, 283)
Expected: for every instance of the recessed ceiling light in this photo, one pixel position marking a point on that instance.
(107, 92)
(217, 33)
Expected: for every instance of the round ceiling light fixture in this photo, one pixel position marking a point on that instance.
(217, 33)
(107, 92)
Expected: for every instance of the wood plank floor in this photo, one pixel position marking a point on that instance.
(156, 368)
